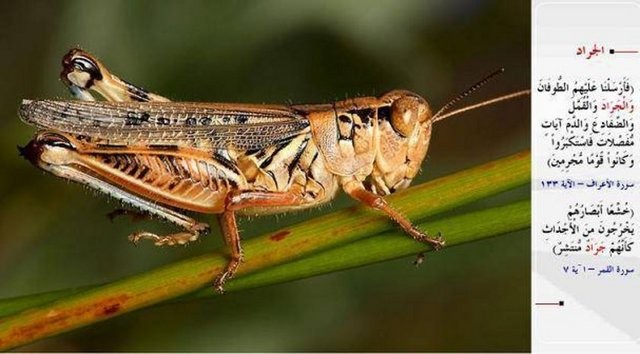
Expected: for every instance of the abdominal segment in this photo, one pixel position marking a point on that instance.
(196, 183)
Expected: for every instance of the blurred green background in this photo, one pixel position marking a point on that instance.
(54, 234)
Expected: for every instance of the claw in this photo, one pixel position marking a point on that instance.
(438, 242)
(218, 283)
(133, 239)
(419, 259)
(228, 273)
(435, 242)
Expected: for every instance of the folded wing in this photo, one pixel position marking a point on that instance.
(188, 124)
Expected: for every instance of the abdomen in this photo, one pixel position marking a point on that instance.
(186, 181)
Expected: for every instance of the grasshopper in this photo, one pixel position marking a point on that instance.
(165, 158)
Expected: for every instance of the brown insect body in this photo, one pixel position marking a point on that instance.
(163, 157)
(370, 140)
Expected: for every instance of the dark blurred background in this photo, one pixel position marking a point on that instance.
(54, 234)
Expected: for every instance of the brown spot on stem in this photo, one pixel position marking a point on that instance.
(279, 236)
(111, 309)
(488, 166)
(56, 320)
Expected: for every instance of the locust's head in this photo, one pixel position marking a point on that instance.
(407, 111)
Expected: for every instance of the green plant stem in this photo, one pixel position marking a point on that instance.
(186, 276)
(390, 245)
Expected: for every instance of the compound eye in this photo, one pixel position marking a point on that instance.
(404, 114)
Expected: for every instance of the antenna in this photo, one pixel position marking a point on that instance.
(482, 104)
(440, 116)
